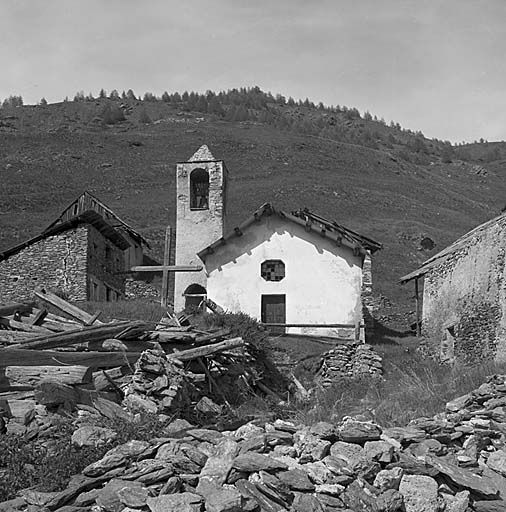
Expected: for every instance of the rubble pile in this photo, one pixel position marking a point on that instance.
(348, 360)
(51, 363)
(452, 462)
(159, 385)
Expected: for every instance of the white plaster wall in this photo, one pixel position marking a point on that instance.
(322, 282)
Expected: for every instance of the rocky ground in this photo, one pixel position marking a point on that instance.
(453, 462)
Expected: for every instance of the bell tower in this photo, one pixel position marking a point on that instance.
(200, 211)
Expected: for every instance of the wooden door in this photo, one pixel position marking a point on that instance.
(274, 312)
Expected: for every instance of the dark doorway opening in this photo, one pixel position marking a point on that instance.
(274, 312)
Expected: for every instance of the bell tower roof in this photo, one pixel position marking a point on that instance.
(203, 154)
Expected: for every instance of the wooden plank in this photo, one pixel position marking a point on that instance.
(206, 350)
(204, 338)
(39, 317)
(93, 318)
(174, 337)
(66, 307)
(84, 335)
(13, 307)
(417, 307)
(21, 357)
(21, 326)
(102, 379)
(165, 273)
(168, 268)
(30, 376)
(319, 326)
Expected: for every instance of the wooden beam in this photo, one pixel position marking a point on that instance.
(93, 318)
(417, 308)
(86, 334)
(206, 350)
(30, 376)
(39, 317)
(318, 326)
(163, 268)
(165, 272)
(23, 357)
(66, 307)
(11, 308)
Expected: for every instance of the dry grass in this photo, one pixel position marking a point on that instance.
(412, 387)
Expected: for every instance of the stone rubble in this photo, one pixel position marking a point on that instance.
(452, 462)
(349, 360)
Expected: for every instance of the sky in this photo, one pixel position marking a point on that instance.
(436, 65)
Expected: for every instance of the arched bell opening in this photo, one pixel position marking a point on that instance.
(199, 190)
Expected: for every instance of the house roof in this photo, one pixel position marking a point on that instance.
(310, 221)
(87, 201)
(88, 217)
(446, 253)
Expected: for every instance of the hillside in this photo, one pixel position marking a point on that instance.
(397, 189)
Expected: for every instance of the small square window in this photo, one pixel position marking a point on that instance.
(272, 270)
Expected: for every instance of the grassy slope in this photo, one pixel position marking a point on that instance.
(56, 152)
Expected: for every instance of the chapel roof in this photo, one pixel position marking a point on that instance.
(310, 221)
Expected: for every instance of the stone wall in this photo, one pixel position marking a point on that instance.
(349, 360)
(105, 260)
(368, 302)
(137, 289)
(464, 301)
(57, 263)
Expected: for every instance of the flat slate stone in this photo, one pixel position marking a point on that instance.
(359, 432)
(251, 462)
(483, 486)
(419, 493)
(182, 502)
(297, 480)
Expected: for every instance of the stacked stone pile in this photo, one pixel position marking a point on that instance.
(348, 360)
(452, 462)
(159, 385)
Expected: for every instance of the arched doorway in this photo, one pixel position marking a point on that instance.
(194, 295)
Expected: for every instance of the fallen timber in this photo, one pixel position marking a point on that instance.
(66, 307)
(30, 376)
(22, 357)
(206, 350)
(86, 334)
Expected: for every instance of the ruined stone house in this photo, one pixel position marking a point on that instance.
(299, 270)
(134, 254)
(81, 258)
(463, 313)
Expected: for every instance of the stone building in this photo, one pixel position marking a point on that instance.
(278, 267)
(134, 254)
(464, 296)
(200, 212)
(80, 257)
(296, 269)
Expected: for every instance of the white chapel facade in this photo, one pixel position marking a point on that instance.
(296, 269)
